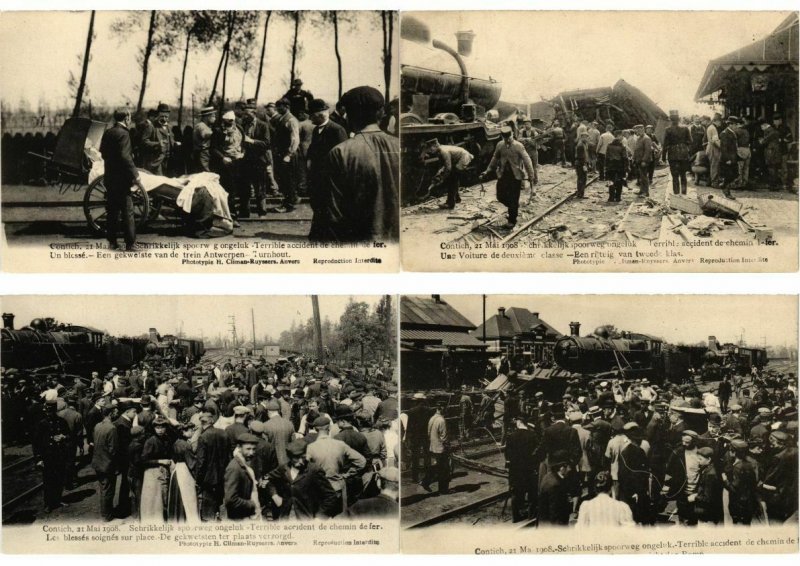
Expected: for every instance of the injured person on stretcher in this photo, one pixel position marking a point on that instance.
(198, 199)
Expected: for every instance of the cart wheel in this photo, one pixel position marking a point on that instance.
(94, 206)
(155, 208)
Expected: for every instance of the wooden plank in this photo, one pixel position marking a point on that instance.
(625, 217)
(461, 510)
(529, 223)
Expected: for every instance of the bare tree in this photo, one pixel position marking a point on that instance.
(85, 67)
(124, 27)
(230, 23)
(387, 25)
(267, 17)
(295, 46)
(336, 19)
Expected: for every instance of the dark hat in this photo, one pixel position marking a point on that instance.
(705, 451)
(296, 447)
(163, 108)
(297, 82)
(734, 119)
(779, 435)
(690, 433)
(207, 110)
(160, 421)
(283, 102)
(273, 405)
(250, 105)
(321, 421)
(595, 411)
(559, 458)
(246, 438)
(317, 105)
(125, 405)
(738, 444)
(242, 410)
(363, 98)
(145, 400)
(505, 129)
(257, 426)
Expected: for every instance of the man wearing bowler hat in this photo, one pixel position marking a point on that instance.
(257, 157)
(156, 149)
(325, 136)
(299, 99)
(241, 491)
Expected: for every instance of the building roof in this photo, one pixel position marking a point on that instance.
(779, 48)
(440, 338)
(515, 320)
(431, 313)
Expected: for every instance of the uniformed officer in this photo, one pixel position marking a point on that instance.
(52, 445)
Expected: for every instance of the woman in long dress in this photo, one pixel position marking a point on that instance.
(182, 505)
(157, 462)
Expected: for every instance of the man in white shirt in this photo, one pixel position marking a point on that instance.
(603, 510)
(713, 150)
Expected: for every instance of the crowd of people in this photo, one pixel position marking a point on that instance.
(345, 160)
(730, 153)
(625, 452)
(240, 440)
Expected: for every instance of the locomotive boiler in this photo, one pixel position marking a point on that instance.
(46, 342)
(596, 354)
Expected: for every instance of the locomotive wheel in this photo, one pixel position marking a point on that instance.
(94, 206)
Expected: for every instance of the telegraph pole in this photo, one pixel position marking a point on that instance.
(253, 320)
(232, 323)
(317, 328)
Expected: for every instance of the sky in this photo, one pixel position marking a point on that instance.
(38, 51)
(539, 54)
(675, 318)
(201, 315)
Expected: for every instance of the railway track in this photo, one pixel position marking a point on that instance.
(21, 481)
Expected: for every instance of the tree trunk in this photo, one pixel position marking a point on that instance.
(82, 84)
(335, 19)
(261, 60)
(148, 48)
(225, 47)
(183, 77)
(225, 78)
(388, 29)
(296, 16)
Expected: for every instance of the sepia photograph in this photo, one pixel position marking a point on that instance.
(597, 415)
(539, 141)
(166, 140)
(264, 423)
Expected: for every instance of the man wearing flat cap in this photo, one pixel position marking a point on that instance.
(384, 505)
(362, 200)
(555, 507)
(453, 160)
(278, 430)
(257, 157)
(325, 136)
(707, 498)
(241, 486)
(514, 170)
(212, 456)
(285, 148)
(299, 489)
(337, 459)
(298, 98)
(682, 476)
(740, 478)
(677, 151)
(201, 140)
(728, 146)
(779, 486)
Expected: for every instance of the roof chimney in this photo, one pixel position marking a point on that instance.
(437, 298)
(8, 320)
(536, 314)
(465, 39)
(501, 311)
(574, 328)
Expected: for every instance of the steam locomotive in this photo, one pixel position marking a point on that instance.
(172, 351)
(639, 355)
(450, 107)
(47, 343)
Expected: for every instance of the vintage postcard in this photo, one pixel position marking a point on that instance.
(599, 424)
(539, 141)
(200, 141)
(199, 424)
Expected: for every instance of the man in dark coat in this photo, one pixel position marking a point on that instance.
(554, 499)
(120, 175)
(299, 99)
(257, 157)
(362, 196)
(285, 148)
(708, 497)
(779, 487)
(124, 424)
(417, 434)
(522, 470)
(105, 459)
(326, 135)
(615, 166)
(741, 481)
(52, 444)
(240, 481)
(677, 151)
(634, 476)
(157, 143)
(729, 167)
(300, 489)
(212, 456)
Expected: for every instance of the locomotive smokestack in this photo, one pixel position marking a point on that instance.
(465, 39)
(8, 320)
(153, 335)
(712, 343)
(574, 328)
